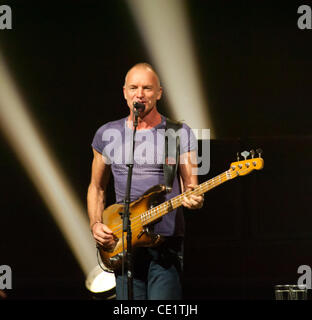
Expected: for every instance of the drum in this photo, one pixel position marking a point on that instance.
(101, 283)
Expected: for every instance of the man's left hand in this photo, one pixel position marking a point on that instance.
(193, 202)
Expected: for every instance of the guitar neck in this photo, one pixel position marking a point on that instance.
(164, 208)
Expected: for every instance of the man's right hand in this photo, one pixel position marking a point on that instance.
(104, 236)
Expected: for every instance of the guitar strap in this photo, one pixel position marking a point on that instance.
(172, 152)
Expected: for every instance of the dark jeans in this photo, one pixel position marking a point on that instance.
(156, 273)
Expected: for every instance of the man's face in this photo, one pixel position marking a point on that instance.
(142, 86)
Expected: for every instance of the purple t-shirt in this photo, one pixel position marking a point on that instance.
(114, 139)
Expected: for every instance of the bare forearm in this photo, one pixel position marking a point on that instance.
(188, 171)
(96, 203)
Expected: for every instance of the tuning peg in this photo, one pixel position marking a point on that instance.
(259, 151)
(237, 156)
(245, 154)
(252, 152)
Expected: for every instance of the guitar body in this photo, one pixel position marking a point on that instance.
(142, 235)
(146, 210)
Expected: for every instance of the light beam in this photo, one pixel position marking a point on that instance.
(164, 28)
(32, 151)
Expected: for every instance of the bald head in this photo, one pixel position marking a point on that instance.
(142, 85)
(143, 66)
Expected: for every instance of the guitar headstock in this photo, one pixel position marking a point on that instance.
(243, 167)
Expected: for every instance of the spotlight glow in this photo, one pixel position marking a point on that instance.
(164, 28)
(99, 280)
(32, 151)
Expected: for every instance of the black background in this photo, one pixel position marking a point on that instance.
(69, 59)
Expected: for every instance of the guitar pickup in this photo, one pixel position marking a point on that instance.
(141, 234)
(145, 230)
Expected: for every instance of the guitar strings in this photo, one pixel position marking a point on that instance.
(176, 200)
(136, 221)
(138, 224)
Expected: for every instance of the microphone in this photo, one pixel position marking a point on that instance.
(139, 106)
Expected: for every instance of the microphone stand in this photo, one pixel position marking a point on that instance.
(126, 213)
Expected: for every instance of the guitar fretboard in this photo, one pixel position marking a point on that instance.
(164, 208)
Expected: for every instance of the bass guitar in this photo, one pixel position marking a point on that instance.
(143, 212)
